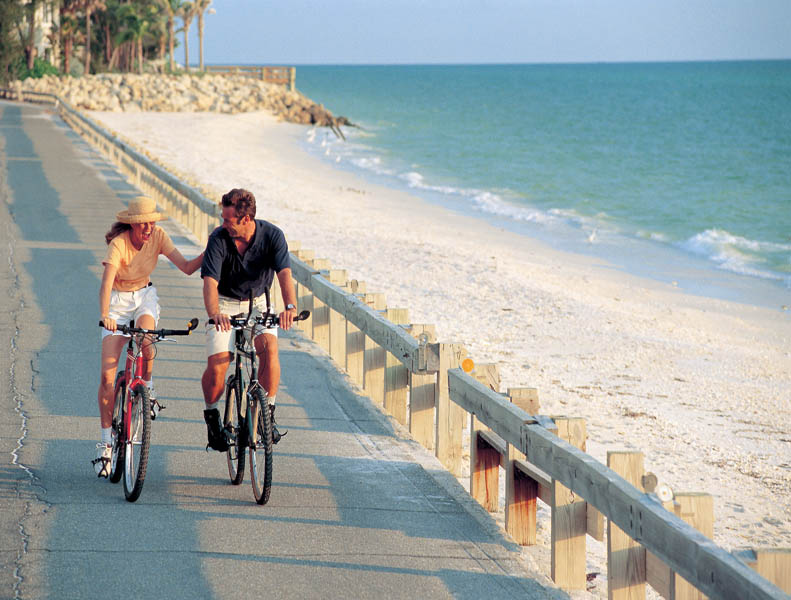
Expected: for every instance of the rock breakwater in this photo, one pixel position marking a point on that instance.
(183, 93)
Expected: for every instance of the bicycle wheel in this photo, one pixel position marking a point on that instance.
(139, 437)
(260, 432)
(233, 423)
(117, 462)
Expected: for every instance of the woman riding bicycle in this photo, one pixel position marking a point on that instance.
(126, 293)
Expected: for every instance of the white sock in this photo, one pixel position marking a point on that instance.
(271, 400)
(210, 406)
(149, 384)
(106, 435)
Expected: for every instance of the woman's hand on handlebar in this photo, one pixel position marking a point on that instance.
(109, 324)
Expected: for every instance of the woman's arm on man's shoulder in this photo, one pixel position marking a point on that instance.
(184, 265)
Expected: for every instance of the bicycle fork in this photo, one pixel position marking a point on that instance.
(250, 423)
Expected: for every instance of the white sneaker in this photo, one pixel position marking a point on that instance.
(101, 464)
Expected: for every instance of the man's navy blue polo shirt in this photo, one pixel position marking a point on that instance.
(238, 275)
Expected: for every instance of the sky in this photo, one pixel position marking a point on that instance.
(301, 32)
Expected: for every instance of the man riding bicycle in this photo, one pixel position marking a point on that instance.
(242, 257)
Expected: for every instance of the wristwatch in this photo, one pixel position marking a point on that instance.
(290, 306)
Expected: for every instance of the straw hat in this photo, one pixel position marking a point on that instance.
(141, 210)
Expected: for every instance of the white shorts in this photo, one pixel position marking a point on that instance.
(224, 341)
(125, 306)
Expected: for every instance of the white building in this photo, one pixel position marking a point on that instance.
(47, 20)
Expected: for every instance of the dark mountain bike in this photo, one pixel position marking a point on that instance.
(247, 421)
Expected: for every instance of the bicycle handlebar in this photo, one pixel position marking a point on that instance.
(160, 333)
(267, 320)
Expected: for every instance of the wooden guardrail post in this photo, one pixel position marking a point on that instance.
(423, 394)
(521, 492)
(374, 357)
(275, 296)
(626, 571)
(521, 503)
(698, 511)
(321, 312)
(396, 374)
(337, 322)
(569, 518)
(305, 295)
(484, 458)
(450, 416)
(355, 340)
(657, 574)
(525, 398)
(773, 564)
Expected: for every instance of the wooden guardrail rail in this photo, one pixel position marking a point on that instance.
(277, 75)
(419, 381)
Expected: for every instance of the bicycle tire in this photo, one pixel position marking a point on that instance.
(137, 444)
(260, 445)
(117, 462)
(233, 424)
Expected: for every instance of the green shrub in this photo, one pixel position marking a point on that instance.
(40, 68)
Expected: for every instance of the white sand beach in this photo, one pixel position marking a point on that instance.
(701, 386)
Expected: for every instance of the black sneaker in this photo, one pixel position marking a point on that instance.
(216, 435)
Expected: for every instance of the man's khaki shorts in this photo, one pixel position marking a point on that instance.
(223, 341)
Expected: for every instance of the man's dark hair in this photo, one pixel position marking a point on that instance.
(242, 200)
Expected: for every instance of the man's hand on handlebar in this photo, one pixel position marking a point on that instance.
(286, 318)
(109, 324)
(221, 322)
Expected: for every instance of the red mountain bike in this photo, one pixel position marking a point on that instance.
(131, 428)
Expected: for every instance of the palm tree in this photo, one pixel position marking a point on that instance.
(187, 12)
(89, 6)
(135, 21)
(158, 29)
(171, 8)
(71, 34)
(11, 15)
(30, 41)
(110, 26)
(201, 6)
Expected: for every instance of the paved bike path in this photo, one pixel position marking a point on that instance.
(357, 509)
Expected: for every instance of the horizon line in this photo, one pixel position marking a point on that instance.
(505, 63)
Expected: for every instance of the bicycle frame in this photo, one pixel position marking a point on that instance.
(132, 376)
(245, 386)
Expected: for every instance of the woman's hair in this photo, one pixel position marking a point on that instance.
(116, 229)
(242, 200)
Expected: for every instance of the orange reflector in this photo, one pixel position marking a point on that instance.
(467, 365)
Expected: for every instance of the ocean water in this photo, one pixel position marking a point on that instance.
(678, 171)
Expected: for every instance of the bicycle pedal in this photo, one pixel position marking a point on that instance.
(278, 435)
(104, 471)
(156, 407)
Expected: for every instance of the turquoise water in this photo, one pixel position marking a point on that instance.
(678, 170)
